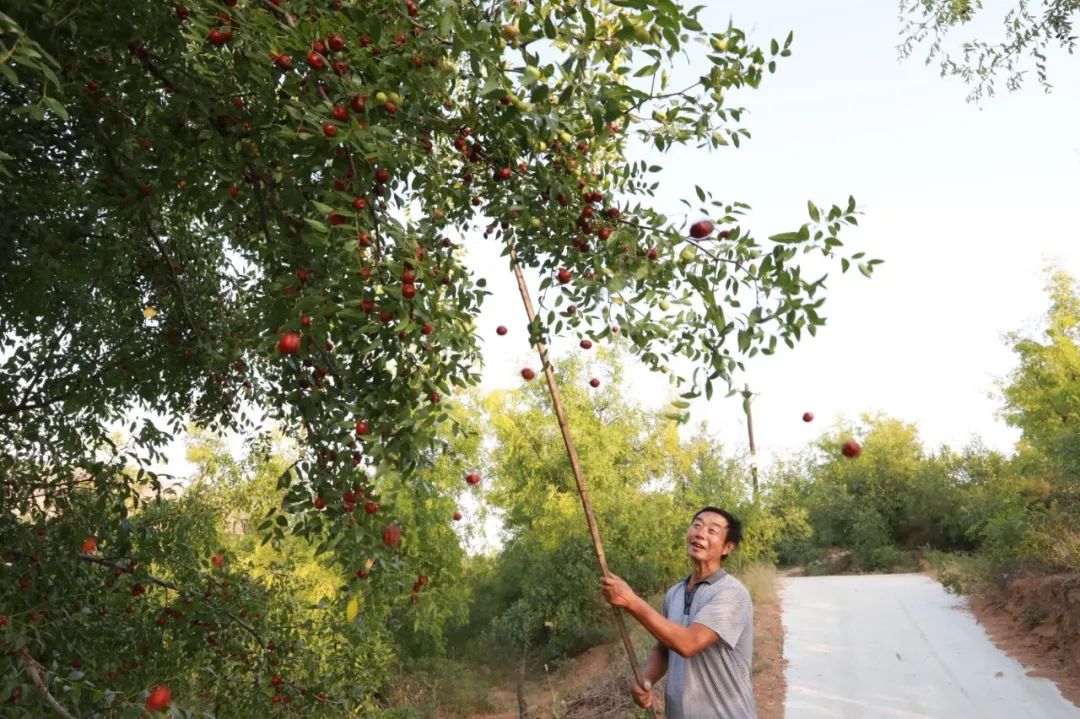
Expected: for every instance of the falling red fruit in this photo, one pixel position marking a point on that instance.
(289, 343)
(473, 478)
(527, 374)
(501, 330)
(585, 344)
(701, 229)
(159, 698)
(594, 382)
(808, 417)
(391, 536)
(89, 545)
(457, 516)
(851, 449)
(218, 560)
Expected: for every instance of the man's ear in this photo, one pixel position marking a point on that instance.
(729, 547)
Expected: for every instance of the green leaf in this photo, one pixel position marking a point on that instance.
(56, 106)
(815, 214)
(787, 237)
(9, 74)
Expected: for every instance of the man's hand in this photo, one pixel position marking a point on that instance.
(617, 592)
(642, 695)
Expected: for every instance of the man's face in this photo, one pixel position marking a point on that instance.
(706, 540)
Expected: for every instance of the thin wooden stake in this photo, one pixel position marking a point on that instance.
(575, 465)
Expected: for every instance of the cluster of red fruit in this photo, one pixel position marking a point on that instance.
(420, 583)
(222, 32)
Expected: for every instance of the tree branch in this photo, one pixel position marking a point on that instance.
(34, 670)
(106, 562)
(175, 280)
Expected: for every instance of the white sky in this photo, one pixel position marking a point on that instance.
(966, 205)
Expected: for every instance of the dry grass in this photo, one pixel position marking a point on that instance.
(760, 579)
(608, 697)
(1065, 550)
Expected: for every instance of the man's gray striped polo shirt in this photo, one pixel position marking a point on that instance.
(714, 684)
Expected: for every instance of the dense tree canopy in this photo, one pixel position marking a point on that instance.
(252, 213)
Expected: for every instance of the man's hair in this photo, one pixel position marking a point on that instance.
(734, 532)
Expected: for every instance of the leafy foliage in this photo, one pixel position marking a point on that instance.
(1031, 30)
(539, 594)
(252, 215)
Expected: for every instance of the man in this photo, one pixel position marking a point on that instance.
(705, 633)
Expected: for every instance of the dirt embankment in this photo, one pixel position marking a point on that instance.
(1036, 619)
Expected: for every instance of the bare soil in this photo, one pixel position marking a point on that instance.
(770, 687)
(1036, 620)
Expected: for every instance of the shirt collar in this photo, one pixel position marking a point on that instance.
(712, 578)
(688, 593)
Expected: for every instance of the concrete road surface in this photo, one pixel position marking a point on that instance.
(899, 647)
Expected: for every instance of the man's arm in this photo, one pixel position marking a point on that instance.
(684, 641)
(656, 665)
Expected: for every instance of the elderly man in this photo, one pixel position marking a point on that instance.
(705, 633)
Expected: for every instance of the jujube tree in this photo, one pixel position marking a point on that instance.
(252, 213)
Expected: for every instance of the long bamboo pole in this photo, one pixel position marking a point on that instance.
(575, 465)
(747, 397)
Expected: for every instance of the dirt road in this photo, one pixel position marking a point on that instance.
(899, 647)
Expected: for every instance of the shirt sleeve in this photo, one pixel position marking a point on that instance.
(728, 614)
(667, 602)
